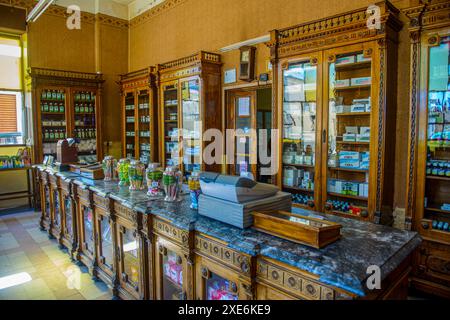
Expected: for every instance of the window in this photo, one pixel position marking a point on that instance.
(11, 88)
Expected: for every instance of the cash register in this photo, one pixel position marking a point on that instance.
(231, 199)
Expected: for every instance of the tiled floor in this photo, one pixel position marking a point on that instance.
(25, 248)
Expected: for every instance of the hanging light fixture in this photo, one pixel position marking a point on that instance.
(39, 9)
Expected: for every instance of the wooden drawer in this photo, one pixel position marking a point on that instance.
(291, 282)
(236, 260)
(126, 213)
(434, 262)
(102, 202)
(170, 232)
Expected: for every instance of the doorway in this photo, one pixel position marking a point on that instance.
(249, 112)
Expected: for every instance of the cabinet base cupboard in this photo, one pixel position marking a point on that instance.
(335, 100)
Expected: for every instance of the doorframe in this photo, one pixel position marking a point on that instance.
(225, 92)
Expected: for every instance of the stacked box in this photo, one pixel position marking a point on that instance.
(349, 159)
(345, 60)
(361, 81)
(365, 161)
(342, 83)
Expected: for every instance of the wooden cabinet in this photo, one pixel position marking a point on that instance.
(221, 273)
(55, 208)
(335, 104)
(68, 217)
(174, 273)
(105, 229)
(86, 251)
(139, 114)
(129, 247)
(190, 100)
(66, 104)
(44, 190)
(428, 173)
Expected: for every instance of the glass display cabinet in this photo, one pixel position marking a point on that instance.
(170, 271)
(129, 246)
(139, 104)
(45, 199)
(66, 104)
(335, 105)
(69, 226)
(428, 173)
(300, 131)
(55, 211)
(190, 90)
(86, 251)
(105, 233)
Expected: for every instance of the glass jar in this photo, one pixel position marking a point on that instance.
(136, 172)
(194, 189)
(171, 183)
(122, 170)
(154, 177)
(109, 165)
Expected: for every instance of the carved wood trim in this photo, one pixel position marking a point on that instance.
(167, 230)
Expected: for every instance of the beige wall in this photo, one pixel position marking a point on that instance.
(103, 49)
(195, 25)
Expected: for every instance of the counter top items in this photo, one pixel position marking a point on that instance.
(153, 176)
(309, 231)
(136, 173)
(194, 189)
(93, 171)
(122, 170)
(109, 168)
(172, 180)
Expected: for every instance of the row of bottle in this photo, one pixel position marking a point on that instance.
(84, 96)
(84, 108)
(86, 120)
(85, 133)
(438, 168)
(53, 107)
(53, 95)
(54, 134)
(301, 199)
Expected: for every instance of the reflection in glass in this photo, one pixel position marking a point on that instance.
(172, 277)
(106, 242)
(88, 229)
(218, 288)
(130, 124)
(299, 130)
(437, 202)
(349, 111)
(57, 208)
(68, 215)
(192, 146)
(171, 138)
(144, 126)
(131, 257)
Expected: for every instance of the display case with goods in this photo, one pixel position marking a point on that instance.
(428, 174)
(174, 271)
(68, 210)
(66, 104)
(335, 108)
(129, 253)
(140, 122)
(190, 91)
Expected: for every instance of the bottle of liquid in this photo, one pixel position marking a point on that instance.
(50, 108)
(61, 107)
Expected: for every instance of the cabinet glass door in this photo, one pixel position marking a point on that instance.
(84, 124)
(106, 242)
(349, 113)
(218, 288)
(144, 125)
(299, 131)
(88, 222)
(172, 279)
(47, 201)
(130, 132)
(191, 124)
(171, 134)
(68, 217)
(437, 186)
(130, 263)
(57, 208)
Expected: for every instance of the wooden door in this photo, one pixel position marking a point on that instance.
(105, 236)
(241, 117)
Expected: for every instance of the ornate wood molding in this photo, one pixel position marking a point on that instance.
(171, 232)
(150, 14)
(331, 31)
(140, 78)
